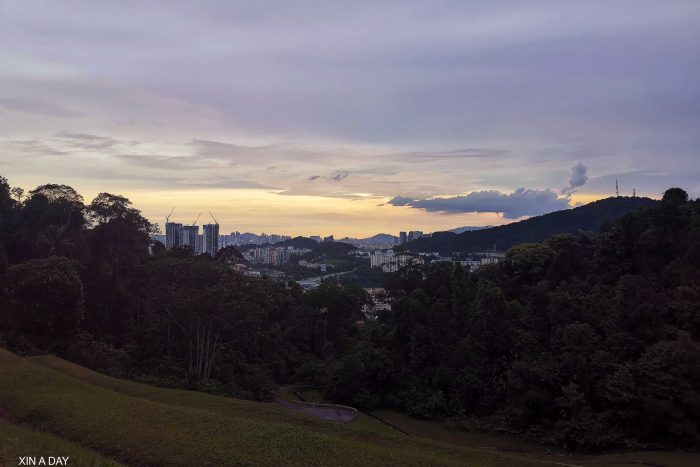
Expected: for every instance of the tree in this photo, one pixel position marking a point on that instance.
(529, 261)
(17, 193)
(675, 196)
(7, 207)
(229, 255)
(52, 218)
(46, 297)
(116, 261)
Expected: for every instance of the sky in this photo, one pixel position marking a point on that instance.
(351, 118)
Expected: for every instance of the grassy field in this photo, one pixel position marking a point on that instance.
(16, 441)
(139, 424)
(437, 431)
(58, 408)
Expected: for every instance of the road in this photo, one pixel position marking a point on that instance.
(313, 282)
(325, 412)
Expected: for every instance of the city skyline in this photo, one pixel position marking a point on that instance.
(351, 119)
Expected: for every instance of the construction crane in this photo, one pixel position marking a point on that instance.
(197, 219)
(212, 216)
(167, 218)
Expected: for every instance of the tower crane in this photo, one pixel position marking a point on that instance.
(212, 216)
(167, 218)
(197, 219)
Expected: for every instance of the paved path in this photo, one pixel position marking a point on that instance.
(325, 412)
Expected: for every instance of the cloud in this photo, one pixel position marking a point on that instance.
(314, 177)
(35, 147)
(577, 179)
(340, 175)
(38, 107)
(87, 141)
(222, 183)
(157, 161)
(456, 154)
(522, 202)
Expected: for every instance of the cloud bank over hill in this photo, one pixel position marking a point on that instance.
(521, 202)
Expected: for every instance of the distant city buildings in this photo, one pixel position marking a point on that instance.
(414, 235)
(389, 261)
(178, 235)
(273, 256)
(173, 235)
(188, 236)
(247, 238)
(476, 262)
(211, 238)
(323, 267)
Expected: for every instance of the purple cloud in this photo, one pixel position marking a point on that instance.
(522, 202)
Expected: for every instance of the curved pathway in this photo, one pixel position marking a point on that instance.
(337, 413)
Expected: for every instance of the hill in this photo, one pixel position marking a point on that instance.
(381, 239)
(589, 217)
(142, 425)
(302, 243)
(468, 228)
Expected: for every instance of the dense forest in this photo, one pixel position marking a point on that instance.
(589, 217)
(585, 341)
(86, 282)
(589, 340)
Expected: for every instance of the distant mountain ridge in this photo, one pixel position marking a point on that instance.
(589, 217)
(302, 243)
(468, 228)
(381, 238)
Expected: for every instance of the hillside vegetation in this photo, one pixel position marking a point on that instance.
(584, 341)
(166, 427)
(17, 441)
(590, 217)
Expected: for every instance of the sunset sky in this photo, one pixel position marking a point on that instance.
(351, 117)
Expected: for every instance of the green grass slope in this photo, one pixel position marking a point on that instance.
(16, 441)
(362, 426)
(138, 424)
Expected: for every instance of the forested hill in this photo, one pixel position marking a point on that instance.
(299, 242)
(589, 217)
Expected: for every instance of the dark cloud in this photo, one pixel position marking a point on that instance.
(314, 177)
(339, 176)
(522, 202)
(577, 178)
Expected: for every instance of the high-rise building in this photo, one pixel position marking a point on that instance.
(414, 234)
(199, 244)
(211, 238)
(173, 235)
(402, 238)
(328, 238)
(189, 236)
